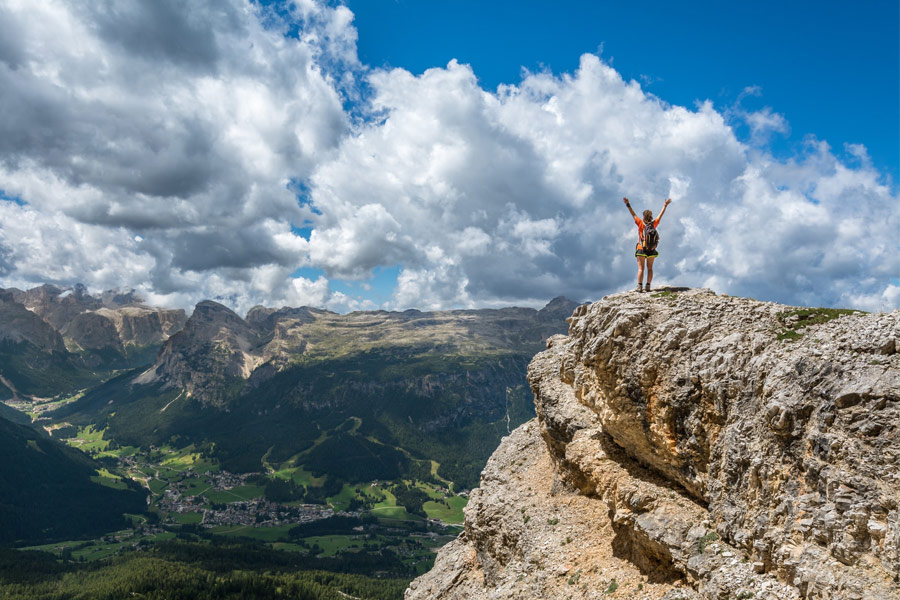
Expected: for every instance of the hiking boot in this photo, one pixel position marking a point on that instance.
(647, 287)
(639, 288)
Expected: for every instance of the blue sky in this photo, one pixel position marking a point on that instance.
(445, 154)
(832, 68)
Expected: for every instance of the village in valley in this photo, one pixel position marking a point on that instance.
(190, 495)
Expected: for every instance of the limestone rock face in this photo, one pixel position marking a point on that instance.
(18, 324)
(722, 445)
(140, 326)
(214, 348)
(57, 305)
(118, 321)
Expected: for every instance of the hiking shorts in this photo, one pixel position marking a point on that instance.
(646, 253)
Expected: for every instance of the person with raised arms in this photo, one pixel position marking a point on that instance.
(648, 239)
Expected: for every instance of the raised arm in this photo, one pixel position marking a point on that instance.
(665, 204)
(628, 204)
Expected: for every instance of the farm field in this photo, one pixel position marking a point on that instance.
(191, 497)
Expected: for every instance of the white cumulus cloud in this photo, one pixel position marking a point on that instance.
(515, 195)
(157, 145)
(163, 146)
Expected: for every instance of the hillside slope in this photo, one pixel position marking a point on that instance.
(48, 493)
(33, 357)
(698, 447)
(369, 395)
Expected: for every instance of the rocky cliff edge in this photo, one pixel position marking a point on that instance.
(689, 445)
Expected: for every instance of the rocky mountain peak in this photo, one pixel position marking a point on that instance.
(689, 445)
(265, 319)
(558, 308)
(209, 311)
(216, 323)
(18, 324)
(214, 347)
(115, 320)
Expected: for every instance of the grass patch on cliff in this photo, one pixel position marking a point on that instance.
(800, 318)
(711, 536)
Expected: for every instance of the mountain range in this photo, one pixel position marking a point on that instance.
(350, 398)
(57, 340)
(366, 395)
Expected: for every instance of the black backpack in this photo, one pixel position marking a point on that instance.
(651, 236)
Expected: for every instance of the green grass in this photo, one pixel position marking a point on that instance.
(393, 512)
(182, 460)
(168, 474)
(136, 519)
(788, 334)
(454, 514)
(194, 486)
(429, 489)
(97, 552)
(390, 501)
(342, 500)
(243, 492)
(263, 534)
(89, 439)
(104, 477)
(206, 466)
(332, 544)
(188, 518)
(387, 507)
(710, 536)
(120, 452)
(289, 547)
(158, 486)
(376, 492)
(807, 317)
(98, 549)
(299, 475)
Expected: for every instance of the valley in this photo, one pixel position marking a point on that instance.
(293, 440)
(190, 495)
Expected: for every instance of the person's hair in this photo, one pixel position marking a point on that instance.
(648, 216)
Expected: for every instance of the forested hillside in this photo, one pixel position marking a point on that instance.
(51, 491)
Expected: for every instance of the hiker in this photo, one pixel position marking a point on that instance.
(648, 238)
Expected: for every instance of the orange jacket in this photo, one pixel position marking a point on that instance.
(640, 224)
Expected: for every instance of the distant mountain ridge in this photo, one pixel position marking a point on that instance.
(274, 383)
(115, 320)
(58, 340)
(218, 346)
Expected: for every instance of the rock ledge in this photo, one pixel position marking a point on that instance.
(685, 447)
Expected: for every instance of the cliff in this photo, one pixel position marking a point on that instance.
(212, 351)
(689, 445)
(112, 321)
